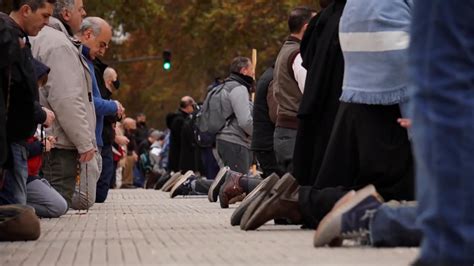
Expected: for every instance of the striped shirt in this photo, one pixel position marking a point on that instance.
(374, 38)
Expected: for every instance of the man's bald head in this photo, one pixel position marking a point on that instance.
(95, 33)
(110, 76)
(186, 104)
(129, 123)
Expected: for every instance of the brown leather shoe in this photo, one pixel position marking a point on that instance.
(283, 203)
(18, 223)
(253, 199)
(231, 189)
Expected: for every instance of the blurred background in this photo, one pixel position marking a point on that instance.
(202, 35)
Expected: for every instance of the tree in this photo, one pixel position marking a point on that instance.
(203, 35)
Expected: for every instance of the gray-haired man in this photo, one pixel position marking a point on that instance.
(95, 35)
(69, 94)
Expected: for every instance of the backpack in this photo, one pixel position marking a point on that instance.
(145, 163)
(210, 118)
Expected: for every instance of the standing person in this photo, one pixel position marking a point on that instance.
(289, 78)
(95, 35)
(69, 94)
(443, 137)
(20, 90)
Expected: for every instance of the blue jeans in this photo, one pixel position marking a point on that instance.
(106, 175)
(138, 176)
(14, 186)
(211, 168)
(48, 203)
(442, 55)
(394, 225)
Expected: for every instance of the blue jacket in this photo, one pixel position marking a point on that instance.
(374, 38)
(102, 107)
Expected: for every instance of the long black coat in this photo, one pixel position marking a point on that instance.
(176, 124)
(322, 57)
(108, 131)
(190, 154)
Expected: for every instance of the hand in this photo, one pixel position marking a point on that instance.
(120, 109)
(52, 140)
(50, 117)
(405, 122)
(87, 156)
(121, 140)
(48, 146)
(135, 156)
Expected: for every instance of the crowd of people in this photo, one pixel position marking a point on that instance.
(365, 99)
(62, 136)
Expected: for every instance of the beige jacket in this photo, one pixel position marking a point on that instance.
(69, 89)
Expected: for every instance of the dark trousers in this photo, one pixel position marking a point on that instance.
(367, 146)
(284, 146)
(237, 157)
(103, 184)
(268, 163)
(60, 169)
(210, 165)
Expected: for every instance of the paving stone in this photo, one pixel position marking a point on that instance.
(146, 227)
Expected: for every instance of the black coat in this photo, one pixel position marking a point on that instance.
(189, 156)
(322, 57)
(21, 122)
(142, 132)
(176, 124)
(9, 53)
(108, 131)
(263, 127)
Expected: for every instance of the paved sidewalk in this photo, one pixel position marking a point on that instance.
(146, 227)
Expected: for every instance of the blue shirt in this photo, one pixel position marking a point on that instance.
(102, 107)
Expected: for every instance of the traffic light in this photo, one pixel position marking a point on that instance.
(167, 60)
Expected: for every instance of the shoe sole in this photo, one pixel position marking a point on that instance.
(283, 184)
(265, 185)
(169, 184)
(329, 228)
(218, 181)
(180, 181)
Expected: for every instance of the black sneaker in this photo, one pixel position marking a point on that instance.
(162, 180)
(216, 185)
(183, 186)
(349, 220)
